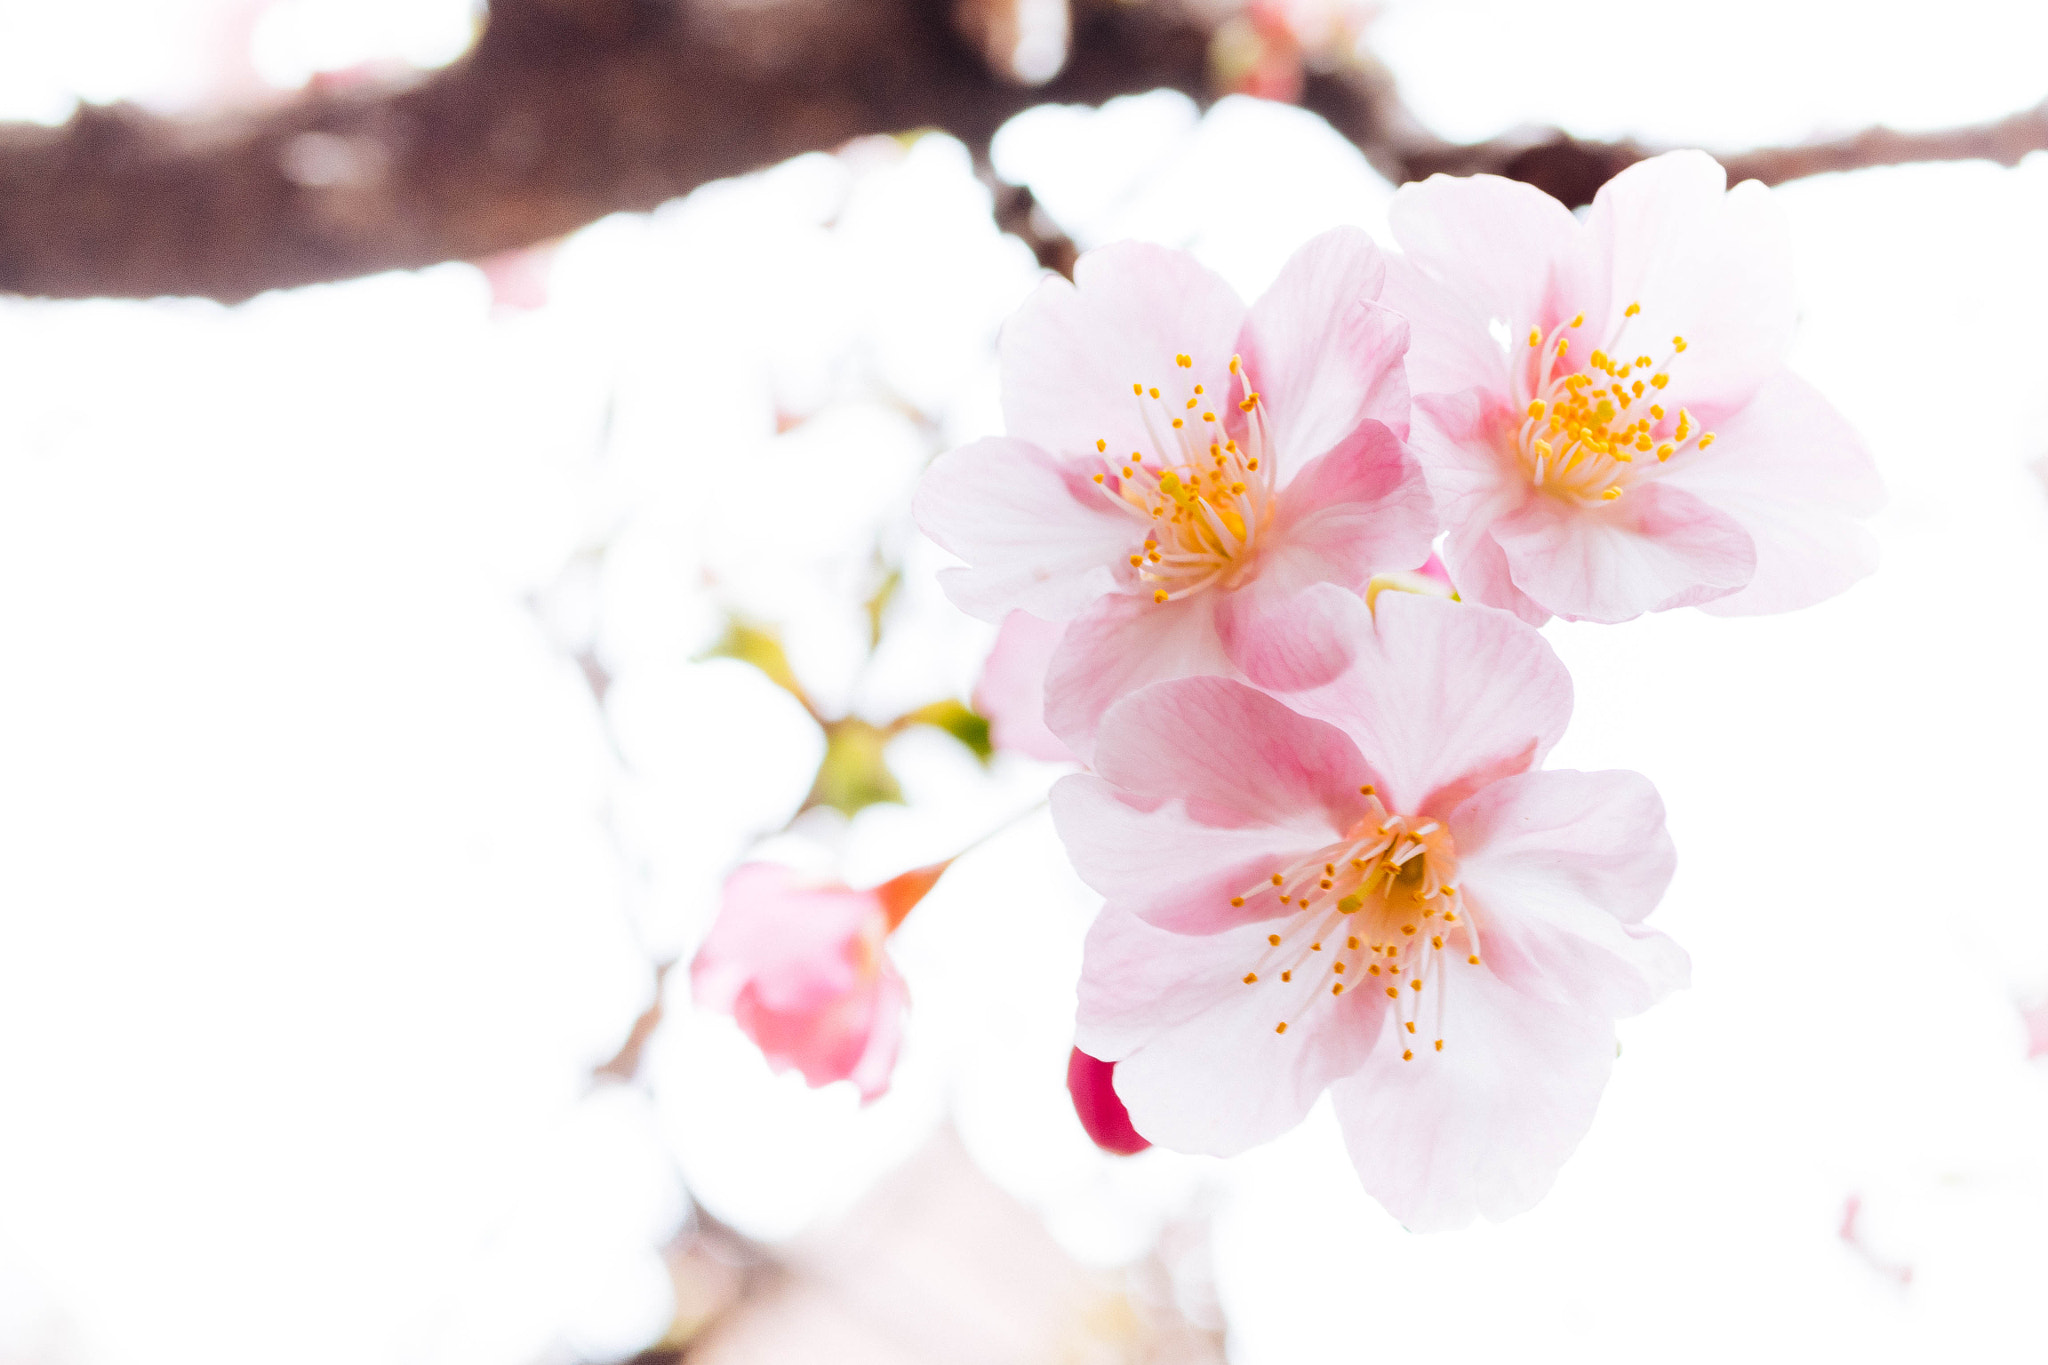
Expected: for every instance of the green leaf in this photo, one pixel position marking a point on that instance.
(969, 727)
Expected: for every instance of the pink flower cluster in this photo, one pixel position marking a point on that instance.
(1312, 792)
(1330, 857)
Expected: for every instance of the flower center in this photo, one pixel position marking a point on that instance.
(1375, 911)
(1583, 429)
(1201, 494)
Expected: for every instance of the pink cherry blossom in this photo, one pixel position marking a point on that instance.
(1372, 890)
(1011, 693)
(1177, 462)
(1103, 1116)
(1602, 405)
(802, 968)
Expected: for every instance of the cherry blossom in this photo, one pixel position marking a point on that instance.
(803, 969)
(1371, 890)
(1176, 463)
(1602, 405)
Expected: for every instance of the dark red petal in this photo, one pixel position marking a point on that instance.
(1096, 1104)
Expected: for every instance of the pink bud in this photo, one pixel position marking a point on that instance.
(1096, 1104)
(803, 969)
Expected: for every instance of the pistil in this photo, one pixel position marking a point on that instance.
(1377, 911)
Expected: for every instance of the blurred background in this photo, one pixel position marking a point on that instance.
(454, 482)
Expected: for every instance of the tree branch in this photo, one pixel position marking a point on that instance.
(567, 110)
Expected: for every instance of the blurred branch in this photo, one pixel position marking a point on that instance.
(1573, 169)
(567, 110)
(1017, 213)
(624, 1064)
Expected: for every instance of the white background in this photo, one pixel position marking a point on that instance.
(323, 882)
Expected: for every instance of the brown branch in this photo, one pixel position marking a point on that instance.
(624, 1064)
(567, 110)
(1363, 104)
(1017, 212)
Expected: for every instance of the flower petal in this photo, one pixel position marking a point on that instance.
(1475, 484)
(1481, 572)
(1200, 1066)
(784, 936)
(1654, 548)
(1559, 869)
(1441, 698)
(1232, 752)
(1152, 858)
(1322, 353)
(888, 1002)
(1360, 510)
(1797, 477)
(1481, 1128)
(1011, 692)
(1291, 644)
(1071, 353)
(1121, 644)
(1479, 250)
(1710, 264)
(1205, 787)
(1036, 534)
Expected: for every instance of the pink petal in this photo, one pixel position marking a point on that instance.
(1200, 1066)
(1071, 353)
(1360, 510)
(1204, 787)
(1321, 352)
(1091, 1083)
(1011, 693)
(1795, 475)
(1037, 535)
(1481, 572)
(2035, 1019)
(1475, 485)
(1291, 644)
(1559, 869)
(1442, 698)
(1121, 644)
(1232, 751)
(1153, 858)
(1713, 266)
(790, 936)
(1654, 548)
(1481, 1128)
(877, 1062)
(1475, 250)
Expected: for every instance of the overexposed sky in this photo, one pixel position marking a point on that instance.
(323, 882)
